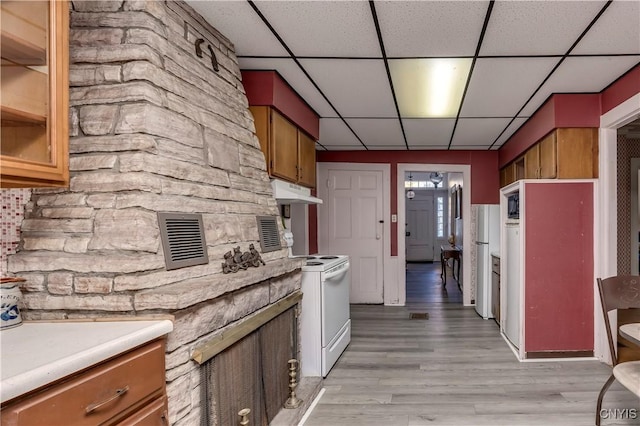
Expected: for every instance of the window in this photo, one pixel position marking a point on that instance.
(440, 216)
(418, 184)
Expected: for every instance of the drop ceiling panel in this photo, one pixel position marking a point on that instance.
(234, 19)
(616, 32)
(334, 133)
(478, 132)
(293, 75)
(595, 73)
(355, 81)
(324, 28)
(356, 87)
(537, 27)
(499, 87)
(378, 132)
(430, 28)
(428, 133)
(513, 127)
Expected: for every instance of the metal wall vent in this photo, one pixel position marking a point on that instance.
(268, 233)
(182, 239)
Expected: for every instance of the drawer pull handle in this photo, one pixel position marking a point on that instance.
(118, 394)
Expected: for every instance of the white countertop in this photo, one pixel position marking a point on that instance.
(37, 353)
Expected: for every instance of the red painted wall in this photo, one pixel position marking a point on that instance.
(484, 173)
(622, 89)
(269, 88)
(570, 110)
(558, 267)
(560, 110)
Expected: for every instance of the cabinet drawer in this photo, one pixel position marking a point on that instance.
(154, 414)
(495, 264)
(102, 394)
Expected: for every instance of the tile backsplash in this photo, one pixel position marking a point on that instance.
(12, 202)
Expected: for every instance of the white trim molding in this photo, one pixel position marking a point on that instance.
(606, 211)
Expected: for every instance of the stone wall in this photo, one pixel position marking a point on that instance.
(153, 128)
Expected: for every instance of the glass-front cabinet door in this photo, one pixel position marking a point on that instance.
(34, 93)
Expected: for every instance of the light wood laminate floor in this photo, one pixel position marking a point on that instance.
(454, 369)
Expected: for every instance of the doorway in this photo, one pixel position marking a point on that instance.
(635, 217)
(465, 236)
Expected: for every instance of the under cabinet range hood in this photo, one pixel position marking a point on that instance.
(289, 193)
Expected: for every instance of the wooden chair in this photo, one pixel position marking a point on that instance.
(621, 293)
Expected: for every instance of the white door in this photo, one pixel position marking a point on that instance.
(419, 229)
(354, 214)
(512, 285)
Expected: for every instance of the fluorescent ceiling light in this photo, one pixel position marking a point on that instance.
(428, 88)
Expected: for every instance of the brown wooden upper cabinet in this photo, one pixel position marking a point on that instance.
(565, 153)
(290, 153)
(306, 160)
(34, 47)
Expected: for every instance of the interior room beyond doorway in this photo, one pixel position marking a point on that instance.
(410, 248)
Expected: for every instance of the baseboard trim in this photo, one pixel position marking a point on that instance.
(558, 354)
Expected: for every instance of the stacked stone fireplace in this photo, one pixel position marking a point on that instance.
(153, 128)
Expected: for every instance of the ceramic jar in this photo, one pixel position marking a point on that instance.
(10, 297)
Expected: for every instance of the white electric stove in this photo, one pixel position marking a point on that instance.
(321, 262)
(325, 324)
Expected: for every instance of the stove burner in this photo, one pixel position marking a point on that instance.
(310, 257)
(314, 263)
(329, 257)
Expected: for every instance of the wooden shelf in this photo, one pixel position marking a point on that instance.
(12, 117)
(24, 31)
(29, 103)
(20, 51)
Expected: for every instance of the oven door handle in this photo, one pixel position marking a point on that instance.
(335, 276)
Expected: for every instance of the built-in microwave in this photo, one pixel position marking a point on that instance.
(513, 206)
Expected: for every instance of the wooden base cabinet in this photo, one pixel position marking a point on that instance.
(289, 152)
(126, 390)
(34, 46)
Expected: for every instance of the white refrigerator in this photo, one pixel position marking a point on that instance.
(487, 241)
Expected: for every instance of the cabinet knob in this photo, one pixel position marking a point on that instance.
(244, 416)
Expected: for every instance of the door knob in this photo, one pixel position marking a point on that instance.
(377, 236)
